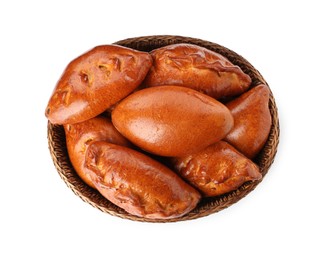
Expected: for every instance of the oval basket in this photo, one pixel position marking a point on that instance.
(58, 151)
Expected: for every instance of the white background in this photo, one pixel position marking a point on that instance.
(285, 217)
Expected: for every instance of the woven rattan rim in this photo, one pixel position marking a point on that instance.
(58, 151)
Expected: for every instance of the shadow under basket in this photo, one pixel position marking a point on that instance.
(58, 150)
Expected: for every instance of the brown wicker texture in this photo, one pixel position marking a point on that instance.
(57, 143)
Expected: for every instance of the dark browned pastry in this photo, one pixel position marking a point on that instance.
(79, 135)
(198, 68)
(96, 80)
(217, 169)
(171, 120)
(252, 121)
(137, 183)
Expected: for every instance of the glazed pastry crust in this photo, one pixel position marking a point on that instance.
(171, 120)
(217, 169)
(96, 80)
(198, 68)
(252, 119)
(137, 183)
(80, 135)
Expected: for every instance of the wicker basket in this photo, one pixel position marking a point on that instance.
(57, 142)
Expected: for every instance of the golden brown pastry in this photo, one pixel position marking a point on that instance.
(217, 169)
(171, 120)
(198, 68)
(252, 121)
(79, 136)
(96, 80)
(138, 184)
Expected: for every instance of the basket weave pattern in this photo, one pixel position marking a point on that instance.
(58, 150)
